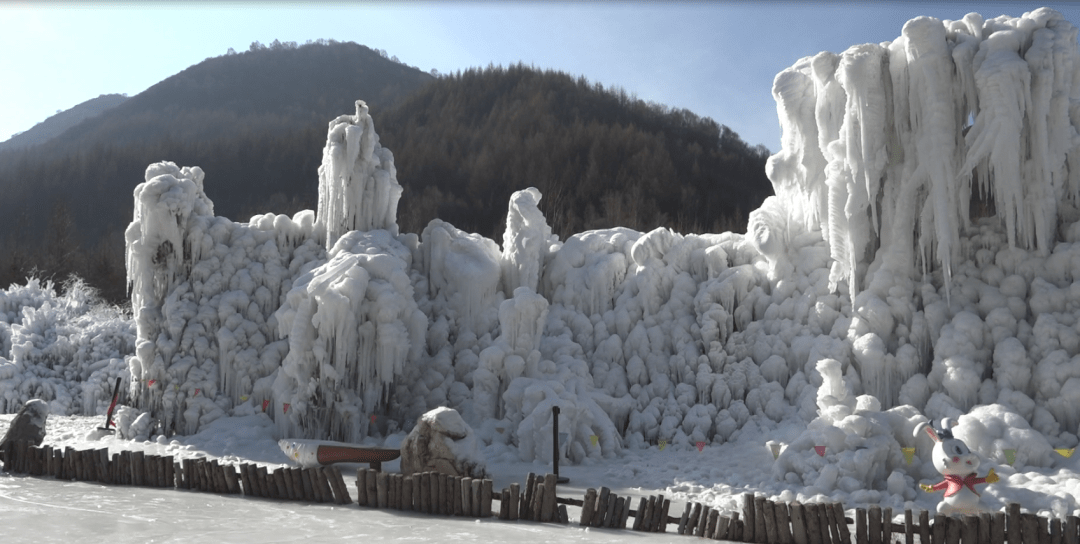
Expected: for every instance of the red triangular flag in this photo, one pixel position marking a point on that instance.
(373, 418)
(700, 446)
(197, 392)
(285, 408)
(265, 404)
(820, 450)
(151, 383)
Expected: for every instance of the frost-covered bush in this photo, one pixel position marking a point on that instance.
(66, 349)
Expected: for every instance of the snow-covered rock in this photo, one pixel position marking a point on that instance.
(442, 442)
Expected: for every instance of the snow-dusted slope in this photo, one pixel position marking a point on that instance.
(917, 261)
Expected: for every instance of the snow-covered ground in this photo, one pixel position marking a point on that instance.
(912, 265)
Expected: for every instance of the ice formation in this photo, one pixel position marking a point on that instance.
(917, 261)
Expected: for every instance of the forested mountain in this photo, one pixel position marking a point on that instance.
(256, 123)
(464, 143)
(57, 124)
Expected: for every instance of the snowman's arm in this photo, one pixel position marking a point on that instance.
(936, 487)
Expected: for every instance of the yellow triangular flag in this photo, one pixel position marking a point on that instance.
(775, 450)
(663, 444)
(1010, 456)
(1065, 452)
(909, 454)
(594, 439)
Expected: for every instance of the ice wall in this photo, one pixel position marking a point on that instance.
(911, 265)
(358, 188)
(888, 148)
(206, 290)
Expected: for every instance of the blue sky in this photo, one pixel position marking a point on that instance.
(717, 59)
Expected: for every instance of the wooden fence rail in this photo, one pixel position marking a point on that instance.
(760, 520)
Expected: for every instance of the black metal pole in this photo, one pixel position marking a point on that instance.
(555, 446)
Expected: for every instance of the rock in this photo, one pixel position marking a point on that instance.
(442, 442)
(28, 425)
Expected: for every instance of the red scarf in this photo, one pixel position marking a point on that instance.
(954, 483)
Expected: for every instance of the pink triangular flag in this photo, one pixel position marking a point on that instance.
(373, 418)
(820, 450)
(285, 408)
(700, 446)
(265, 404)
(196, 392)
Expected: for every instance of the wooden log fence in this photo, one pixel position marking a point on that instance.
(759, 521)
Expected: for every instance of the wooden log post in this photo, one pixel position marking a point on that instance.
(587, 506)
(862, 534)
(548, 508)
(813, 524)
(639, 514)
(245, 479)
(1072, 530)
(382, 493)
(456, 495)
(970, 528)
(486, 486)
(997, 529)
(262, 479)
(841, 522)
(692, 521)
(436, 493)
(617, 521)
(735, 528)
(660, 514)
(504, 504)
(924, 526)
(466, 496)
(721, 528)
(938, 528)
(515, 495)
(909, 527)
(601, 507)
(625, 516)
(703, 522)
(827, 523)
(954, 530)
(1055, 531)
(408, 493)
(683, 519)
(646, 514)
(1029, 527)
(783, 523)
(530, 490)
(538, 500)
(875, 524)
(768, 515)
(760, 533)
(798, 523)
(309, 489)
(564, 516)
(1012, 527)
(750, 517)
(710, 525)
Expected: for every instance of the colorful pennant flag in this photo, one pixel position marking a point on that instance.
(243, 398)
(151, 383)
(196, 392)
(820, 450)
(663, 444)
(1010, 456)
(265, 404)
(700, 446)
(775, 450)
(372, 418)
(909, 454)
(594, 439)
(285, 408)
(1065, 452)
